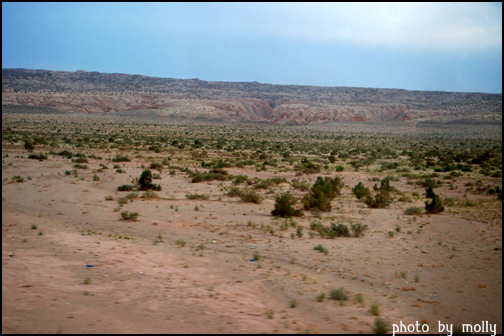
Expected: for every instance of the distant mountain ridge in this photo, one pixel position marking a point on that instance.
(94, 92)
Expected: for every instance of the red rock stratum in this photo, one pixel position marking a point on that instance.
(94, 92)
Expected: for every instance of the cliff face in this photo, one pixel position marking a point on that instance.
(93, 92)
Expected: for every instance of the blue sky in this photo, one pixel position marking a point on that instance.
(414, 46)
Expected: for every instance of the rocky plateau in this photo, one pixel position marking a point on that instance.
(43, 91)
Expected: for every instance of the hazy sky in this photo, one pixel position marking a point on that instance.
(415, 46)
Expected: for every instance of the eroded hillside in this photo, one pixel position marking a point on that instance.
(94, 92)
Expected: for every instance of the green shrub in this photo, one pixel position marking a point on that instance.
(322, 191)
(429, 192)
(66, 153)
(338, 294)
(155, 165)
(125, 187)
(18, 179)
(359, 229)
(413, 211)
(81, 159)
(341, 230)
(149, 194)
(196, 196)
(321, 249)
(284, 206)
(130, 216)
(39, 157)
(374, 309)
(121, 158)
(299, 231)
(380, 327)
(29, 145)
(251, 196)
(321, 297)
(296, 184)
(385, 185)
(132, 195)
(240, 179)
(202, 177)
(234, 192)
(381, 200)
(435, 206)
(145, 181)
(257, 256)
(307, 167)
(361, 191)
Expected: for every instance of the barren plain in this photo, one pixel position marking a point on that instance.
(205, 254)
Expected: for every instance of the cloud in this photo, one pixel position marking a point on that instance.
(422, 26)
(417, 26)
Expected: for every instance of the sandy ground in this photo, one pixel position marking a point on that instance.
(210, 285)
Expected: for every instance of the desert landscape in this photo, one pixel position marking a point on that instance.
(205, 254)
(152, 220)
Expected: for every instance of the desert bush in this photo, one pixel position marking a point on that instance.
(40, 157)
(435, 206)
(374, 309)
(196, 196)
(81, 159)
(380, 327)
(132, 195)
(284, 206)
(359, 229)
(316, 225)
(428, 182)
(145, 181)
(121, 158)
(251, 196)
(240, 179)
(321, 249)
(80, 166)
(429, 192)
(341, 230)
(307, 167)
(322, 192)
(234, 192)
(125, 187)
(361, 191)
(449, 201)
(150, 194)
(413, 211)
(381, 200)
(66, 153)
(18, 179)
(321, 297)
(385, 185)
(29, 145)
(406, 199)
(338, 294)
(202, 177)
(130, 216)
(296, 184)
(155, 165)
